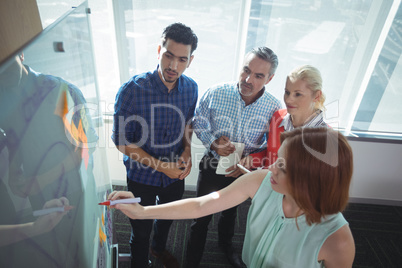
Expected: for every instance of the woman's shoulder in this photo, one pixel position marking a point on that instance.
(278, 117)
(338, 249)
(258, 179)
(281, 113)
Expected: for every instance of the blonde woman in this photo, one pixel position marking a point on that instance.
(304, 102)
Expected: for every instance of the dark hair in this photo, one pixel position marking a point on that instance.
(180, 33)
(268, 55)
(319, 167)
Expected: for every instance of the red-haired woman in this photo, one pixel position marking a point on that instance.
(295, 218)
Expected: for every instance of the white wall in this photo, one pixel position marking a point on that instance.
(377, 177)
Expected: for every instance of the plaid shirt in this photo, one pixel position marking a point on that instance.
(153, 119)
(222, 112)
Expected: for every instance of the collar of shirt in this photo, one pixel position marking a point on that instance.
(316, 121)
(161, 86)
(238, 95)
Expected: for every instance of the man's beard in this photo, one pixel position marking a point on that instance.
(248, 91)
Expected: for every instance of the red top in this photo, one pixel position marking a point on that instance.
(267, 157)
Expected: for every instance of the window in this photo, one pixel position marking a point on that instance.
(356, 44)
(379, 109)
(140, 23)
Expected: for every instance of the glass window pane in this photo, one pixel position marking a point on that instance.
(50, 153)
(214, 22)
(380, 108)
(341, 39)
(351, 42)
(50, 10)
(321, 33)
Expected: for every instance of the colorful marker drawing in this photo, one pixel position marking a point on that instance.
(77, 133)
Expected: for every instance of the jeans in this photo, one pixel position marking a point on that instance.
(141, 229)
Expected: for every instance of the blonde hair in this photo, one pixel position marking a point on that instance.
(312, 76)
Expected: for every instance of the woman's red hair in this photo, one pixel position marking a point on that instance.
(319, 167)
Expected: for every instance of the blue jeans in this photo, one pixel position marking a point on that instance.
(141, 229)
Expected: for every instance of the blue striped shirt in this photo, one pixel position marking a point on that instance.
(222, 112)
(147, 115)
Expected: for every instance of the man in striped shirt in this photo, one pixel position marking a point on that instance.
(231, 112)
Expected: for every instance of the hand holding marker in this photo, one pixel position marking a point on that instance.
(243, 168)
(121, 201)
(46, 211)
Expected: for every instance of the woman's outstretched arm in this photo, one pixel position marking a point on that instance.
(237, 192)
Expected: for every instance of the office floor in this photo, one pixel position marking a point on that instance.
(377, 230)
